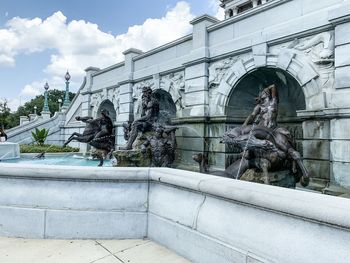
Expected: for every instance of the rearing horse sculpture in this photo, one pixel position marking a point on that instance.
(97, 133)
(266, 149)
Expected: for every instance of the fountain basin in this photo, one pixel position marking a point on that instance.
(201, 217)
(9, 150)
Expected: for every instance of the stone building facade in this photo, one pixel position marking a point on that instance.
(210, 79)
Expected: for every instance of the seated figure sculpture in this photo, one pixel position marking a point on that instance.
(98, 133)
(149, 116)
(264, 145)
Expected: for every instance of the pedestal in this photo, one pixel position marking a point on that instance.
(9, 150)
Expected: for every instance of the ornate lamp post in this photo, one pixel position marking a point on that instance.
(66, 101)
(46, 111)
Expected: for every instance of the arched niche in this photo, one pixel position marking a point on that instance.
(167, 106)
(109, 106)
(241, 101)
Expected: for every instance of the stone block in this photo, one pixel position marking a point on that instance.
(342, 56)
(196, 98)
(174, 204)
(316, 102)
(125, 107)
(65, 224)
(239, 69)
(306, 74)
(22, 222)
(217, 160)
(186, 143)
(340, 129)
(255, 230)
(125, 89)
(193, 245)
(190, 130)
(340, 98)
(196, 84)
(217, 130)
(342, 77)
(284, 59)
(195, 71)
(77, 195)
(340, 151)
(342, 34)
(198, 110)
(260, 50)
(316, 149)
(216, 146)
(123, 117)
(125, 98)
(341, 175)
(318, 169)
(319, 129)
(185, 156)
(260, 61)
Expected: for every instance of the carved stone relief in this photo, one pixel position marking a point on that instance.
(174, 83)
(320, 49)
(218, 70)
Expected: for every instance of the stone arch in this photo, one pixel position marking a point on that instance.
(294, 63)
(167, 105)
(241, 101)
(109, 106)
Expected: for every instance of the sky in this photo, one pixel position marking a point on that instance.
(41, 39)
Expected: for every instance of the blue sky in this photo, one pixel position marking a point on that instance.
(40, 39)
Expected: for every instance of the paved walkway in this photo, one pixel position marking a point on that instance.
(17, 250)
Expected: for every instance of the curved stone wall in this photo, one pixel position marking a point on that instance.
(204, 218)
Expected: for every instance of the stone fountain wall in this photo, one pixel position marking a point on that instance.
(201, 217)
(204, 71)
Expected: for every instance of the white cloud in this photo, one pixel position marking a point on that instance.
(218, 11)
(78, 44)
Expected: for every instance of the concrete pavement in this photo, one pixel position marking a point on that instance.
(18, 250)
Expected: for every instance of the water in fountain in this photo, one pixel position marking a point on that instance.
(244, 151)
(9, 150)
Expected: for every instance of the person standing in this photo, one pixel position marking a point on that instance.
(3, 135)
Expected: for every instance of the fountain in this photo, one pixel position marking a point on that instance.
(150, 139)
(9, 150)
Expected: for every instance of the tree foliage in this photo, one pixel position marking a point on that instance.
(12, 119)
(4, 113)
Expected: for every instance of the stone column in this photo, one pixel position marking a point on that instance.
(196, 72)
(126, 106)
(196, 100)
(339, 101)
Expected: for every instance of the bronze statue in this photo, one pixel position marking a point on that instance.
(149, 116)
(266, 110)
(265, 146)
(162, 146)
(98, 133)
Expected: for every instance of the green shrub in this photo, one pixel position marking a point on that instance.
(40, 136)
(28, 148)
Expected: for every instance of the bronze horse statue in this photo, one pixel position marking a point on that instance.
(265, 149)
(97, 133)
